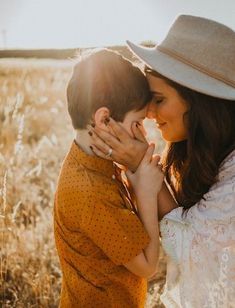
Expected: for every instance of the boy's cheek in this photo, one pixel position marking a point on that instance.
(127, 127)
(143, 130)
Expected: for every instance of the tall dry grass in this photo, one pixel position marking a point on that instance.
(35, 133)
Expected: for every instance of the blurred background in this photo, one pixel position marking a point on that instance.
(86, 23)
(38, 39)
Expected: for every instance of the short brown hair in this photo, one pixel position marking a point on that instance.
(104, 78)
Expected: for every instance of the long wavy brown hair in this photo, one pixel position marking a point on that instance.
(192, 166)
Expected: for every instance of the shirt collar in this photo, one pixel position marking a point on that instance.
(94, 163)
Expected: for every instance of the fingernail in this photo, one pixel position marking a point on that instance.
(93, 124)
(91, 147)
(90, 133)
(106, 121)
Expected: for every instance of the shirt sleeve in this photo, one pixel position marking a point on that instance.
(201, 244)
(117, 231)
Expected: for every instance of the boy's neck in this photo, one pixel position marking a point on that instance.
(84, 141)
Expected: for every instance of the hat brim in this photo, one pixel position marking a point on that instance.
(182, 73)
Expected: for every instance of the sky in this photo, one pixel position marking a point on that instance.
(89, 23)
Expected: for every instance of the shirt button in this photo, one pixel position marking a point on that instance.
(113, 177)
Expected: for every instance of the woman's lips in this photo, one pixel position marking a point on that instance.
(160, 125)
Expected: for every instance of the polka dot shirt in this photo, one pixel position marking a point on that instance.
(95, 234)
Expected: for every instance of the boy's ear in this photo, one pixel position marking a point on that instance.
(100, 117)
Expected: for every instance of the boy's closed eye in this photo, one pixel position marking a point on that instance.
(140, 125)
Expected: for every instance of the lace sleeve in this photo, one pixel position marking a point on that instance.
(201, 244)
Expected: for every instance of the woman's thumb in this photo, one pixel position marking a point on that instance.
(156, 159)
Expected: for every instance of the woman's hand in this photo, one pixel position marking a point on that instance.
(148, 178)
(126, 150)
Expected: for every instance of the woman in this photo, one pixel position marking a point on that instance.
(192, 79)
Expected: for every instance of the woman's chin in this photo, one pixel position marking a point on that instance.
(172, 139)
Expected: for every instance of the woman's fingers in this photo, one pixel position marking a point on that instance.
(106, 137)
(100, 153)
(155, 159)
(119, 131)
(138, 134)
(99, 143)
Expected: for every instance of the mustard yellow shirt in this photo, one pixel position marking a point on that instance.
(95, 234)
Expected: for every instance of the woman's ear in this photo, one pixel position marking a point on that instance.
(100, 117)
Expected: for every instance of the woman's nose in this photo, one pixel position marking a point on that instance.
(152, 111)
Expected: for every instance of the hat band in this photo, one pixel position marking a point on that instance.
(196, 66)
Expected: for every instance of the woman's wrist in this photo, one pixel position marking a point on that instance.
(143, 195)
(147, 204)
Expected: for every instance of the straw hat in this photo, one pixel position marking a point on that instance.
(197, 53)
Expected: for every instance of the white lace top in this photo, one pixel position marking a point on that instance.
(201, 248)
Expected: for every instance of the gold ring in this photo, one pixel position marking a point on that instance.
(109, 152)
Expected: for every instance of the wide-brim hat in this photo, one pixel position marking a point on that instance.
(197, 53)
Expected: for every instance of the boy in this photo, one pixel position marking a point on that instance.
(102, 244)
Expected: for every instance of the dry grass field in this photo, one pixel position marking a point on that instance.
(35, 133)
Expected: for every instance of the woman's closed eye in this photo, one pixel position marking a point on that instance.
(158, 100)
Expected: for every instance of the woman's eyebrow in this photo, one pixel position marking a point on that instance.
(156, 93)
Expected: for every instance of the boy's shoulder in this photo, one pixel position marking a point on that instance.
(81, 181)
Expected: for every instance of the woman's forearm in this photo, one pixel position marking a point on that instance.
(166, 202)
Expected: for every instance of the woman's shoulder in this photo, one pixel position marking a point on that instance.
(218, 204)
(226, 176)
(228, 160)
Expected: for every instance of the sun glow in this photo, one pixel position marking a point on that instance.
(65, 24)
(88, 23)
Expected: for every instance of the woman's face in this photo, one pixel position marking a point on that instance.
(167, 108)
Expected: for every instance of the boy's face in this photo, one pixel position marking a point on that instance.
(134, 116)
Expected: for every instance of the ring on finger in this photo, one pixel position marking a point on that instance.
(109, 152)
